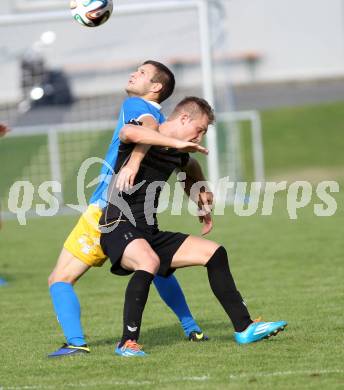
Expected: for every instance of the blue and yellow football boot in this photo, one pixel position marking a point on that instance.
(68, 349)
(129, 349)
(197, 336)
(259, 330)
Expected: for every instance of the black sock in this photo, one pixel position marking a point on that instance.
(135, 300)
(223, 286)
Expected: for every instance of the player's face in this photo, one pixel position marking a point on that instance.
(195, 129)
(140, 81)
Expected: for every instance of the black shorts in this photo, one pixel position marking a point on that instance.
(165, 245)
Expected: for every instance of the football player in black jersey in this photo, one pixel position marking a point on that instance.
(133, 242)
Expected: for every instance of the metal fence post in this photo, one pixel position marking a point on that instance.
(54, 157)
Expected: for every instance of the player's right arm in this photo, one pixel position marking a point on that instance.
(204, 198)
(145, 136)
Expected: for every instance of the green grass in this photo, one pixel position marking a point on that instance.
(16, 155)
(300, 138)
(304, 137)
(286, 269)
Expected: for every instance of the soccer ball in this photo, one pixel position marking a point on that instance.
(91, 13)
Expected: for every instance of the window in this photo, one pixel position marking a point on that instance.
(40, 5)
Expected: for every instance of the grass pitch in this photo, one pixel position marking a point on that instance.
(285, 269)
(290, 270)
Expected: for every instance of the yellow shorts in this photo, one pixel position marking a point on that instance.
(84, 240)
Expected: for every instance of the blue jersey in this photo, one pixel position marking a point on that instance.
(132, 108)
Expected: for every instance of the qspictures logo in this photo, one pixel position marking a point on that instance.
(248, 199)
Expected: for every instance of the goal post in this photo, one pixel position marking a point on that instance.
(254, 119)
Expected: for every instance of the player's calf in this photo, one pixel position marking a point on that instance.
(136, 296)
(66, 303)
(139, 257)
(223, 286)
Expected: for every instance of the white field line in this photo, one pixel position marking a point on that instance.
(181, 379)
(110, 383)
(285, 373)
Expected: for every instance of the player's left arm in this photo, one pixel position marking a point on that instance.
(204, 198)
(194, 174)
(127, 174)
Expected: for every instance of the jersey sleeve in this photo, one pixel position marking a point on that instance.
(135, 108)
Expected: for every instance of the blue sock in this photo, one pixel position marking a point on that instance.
(67, 309)
(172, 294)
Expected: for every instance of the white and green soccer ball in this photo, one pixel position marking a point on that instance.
(91, 13)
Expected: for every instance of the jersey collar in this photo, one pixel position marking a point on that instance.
(155, 104)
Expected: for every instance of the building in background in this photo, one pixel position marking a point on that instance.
(254, 42)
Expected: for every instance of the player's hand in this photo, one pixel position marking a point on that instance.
(126, 177)
(205, 206)
(191, 147)
(206, 198)
(207, 224)
(3, 129)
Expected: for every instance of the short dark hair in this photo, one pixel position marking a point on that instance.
(165, 77)
(194, 106)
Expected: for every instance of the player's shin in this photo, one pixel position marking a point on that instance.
(172, 294)
(67, 309)
(223, 286)
(135, 300)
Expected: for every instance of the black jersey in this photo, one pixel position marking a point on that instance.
(139, 205)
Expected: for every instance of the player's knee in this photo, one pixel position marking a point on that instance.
(218, 257)
(152, 265)
(211, 250)
(150, 262)
(50, 279)
(61, 277)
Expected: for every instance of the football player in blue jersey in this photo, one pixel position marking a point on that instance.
(147, 87)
